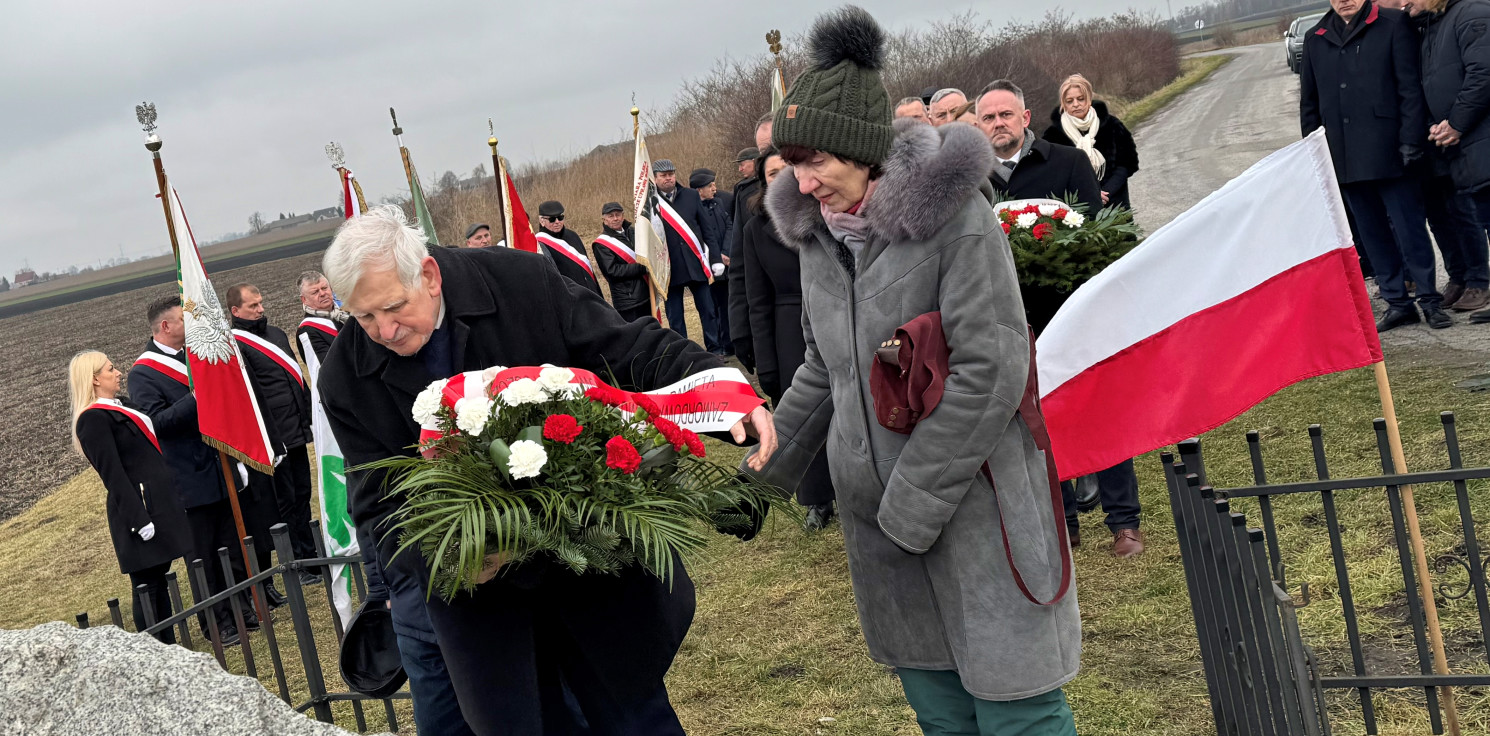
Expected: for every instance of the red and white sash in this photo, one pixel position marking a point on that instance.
(140, 419)
(284, 360)
(320, 323)
(561, 246)
(622, 250)
(165, 365)
(670, 216)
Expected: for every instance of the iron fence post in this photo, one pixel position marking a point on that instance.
(304, 636)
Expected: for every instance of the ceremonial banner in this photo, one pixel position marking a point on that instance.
(651, 240)
(1255, 288)
(336, 522)
(778, 89)
(515, 219)
(349, 186)
(227, 414)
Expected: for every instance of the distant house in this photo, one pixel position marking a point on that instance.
(330, 213)
(287, 222)
(24, 277)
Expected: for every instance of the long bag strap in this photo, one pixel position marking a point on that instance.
(1034, 420)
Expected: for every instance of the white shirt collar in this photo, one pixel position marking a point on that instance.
(440, 320)
(112, 402)
(165, 349)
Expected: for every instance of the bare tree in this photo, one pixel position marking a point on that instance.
(479, 172)
(256, 222)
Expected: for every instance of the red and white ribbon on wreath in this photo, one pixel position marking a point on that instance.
(714, 400)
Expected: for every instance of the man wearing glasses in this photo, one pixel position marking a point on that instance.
(564, 246)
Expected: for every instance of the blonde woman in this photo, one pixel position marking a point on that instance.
(146, 519)
(1083, 122)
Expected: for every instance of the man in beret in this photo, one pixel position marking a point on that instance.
(694, 262)
(719, 219)
(478, 235)
(564, 246)
(617, 260)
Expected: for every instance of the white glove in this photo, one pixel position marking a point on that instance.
(278, 459)
(147, 532)
(718, 269)
(242, 477)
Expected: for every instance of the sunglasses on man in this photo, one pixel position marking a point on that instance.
(555, 218)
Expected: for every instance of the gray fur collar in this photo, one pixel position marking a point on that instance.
(927, 178)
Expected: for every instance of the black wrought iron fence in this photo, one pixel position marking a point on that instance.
(1260, 672)
(319, 700)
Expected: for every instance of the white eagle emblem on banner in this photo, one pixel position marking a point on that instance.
(207, 336)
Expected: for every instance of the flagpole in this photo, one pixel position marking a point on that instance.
(636, 128)
(146, 115)
(1419, 554)
(398, 135)
(500, 172)
(339, 162)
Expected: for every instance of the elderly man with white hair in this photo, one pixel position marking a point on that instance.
(944, 104)
(527, 640)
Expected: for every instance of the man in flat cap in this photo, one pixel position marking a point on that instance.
(478, 235)
(693, 260)
(564, 246)
(745, 164)
(719, 217)
(617, 260)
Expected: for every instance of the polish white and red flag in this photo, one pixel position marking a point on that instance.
(1255, 288)
(227, 414)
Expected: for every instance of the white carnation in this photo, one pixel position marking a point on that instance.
(524, 391)
(1046, 210)
(1074, 218)
(427, 403)
(526, 459)
(471, 414)
(555, 379)
(1027, 220)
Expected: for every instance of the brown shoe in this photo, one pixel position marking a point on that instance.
(1074, 535)
(1451, 294)
(1127, 543)
(1473, 299)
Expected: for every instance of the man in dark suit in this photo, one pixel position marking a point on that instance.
(1028, 167)
(564, 246)
(159, 387)
(718, 217)
(283, 393)
(695, 262)
(1360, 82)
(615, 254)
(738, 310)
(523, 642)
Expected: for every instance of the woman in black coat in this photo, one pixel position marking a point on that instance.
(146, 518)
(773, 293)
(1082, 122)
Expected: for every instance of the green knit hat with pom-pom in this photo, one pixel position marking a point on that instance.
(839, 105)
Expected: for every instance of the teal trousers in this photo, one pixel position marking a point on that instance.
(944, 708)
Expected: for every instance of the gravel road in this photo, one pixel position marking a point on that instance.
(1245, 111)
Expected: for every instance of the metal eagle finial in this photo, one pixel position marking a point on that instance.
(773, 38)
(337, 156)
(145, 113)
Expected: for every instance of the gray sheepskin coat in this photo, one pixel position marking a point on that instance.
(921, 524)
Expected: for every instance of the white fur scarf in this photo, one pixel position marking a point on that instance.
(1083, 134)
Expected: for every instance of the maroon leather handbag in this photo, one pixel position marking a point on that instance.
(907, 379)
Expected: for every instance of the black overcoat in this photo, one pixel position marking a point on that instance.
(628, 281)
(140, 488)
(284, 396)
(320, 342)
(739, 311)
(1050, 171)
(1366, 91)
(1114, 142)
(506, 307)
(1456, 86)
(173, 409)
(686, 266)
(567, 267)
(773, 282)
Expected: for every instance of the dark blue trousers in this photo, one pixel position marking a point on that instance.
(708, 316)
(436, 709)
(1117, 486)
(1392, 219)
(1458, 232)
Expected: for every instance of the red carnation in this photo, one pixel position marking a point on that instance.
(671, 432)
(606, 395)
(647, 405)
(1007, 216)
(1032, 209)
(695, 443)
(561, 428)
(1060, 214)
(622, 455)
(1041, 230)
(1006, 227)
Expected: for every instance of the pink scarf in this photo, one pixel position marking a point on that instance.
(850, 225)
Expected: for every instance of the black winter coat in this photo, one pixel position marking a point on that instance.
(628, 281)
(1115, 144)
(739, 311)
(686, 266)
(718, 221)
(567, 267)
(283, 394)
(173, 409)
(773, 282)
(1455, 62)
(1366, 91)
(1050, 171)
(320, 340)
(507, 307)
(140, 488)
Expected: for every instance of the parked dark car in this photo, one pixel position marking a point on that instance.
(1293, 40)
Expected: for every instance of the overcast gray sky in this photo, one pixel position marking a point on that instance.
(249, 93)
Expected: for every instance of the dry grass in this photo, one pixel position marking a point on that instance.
(1249, 37)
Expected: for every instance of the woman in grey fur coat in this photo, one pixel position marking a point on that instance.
(892, 223)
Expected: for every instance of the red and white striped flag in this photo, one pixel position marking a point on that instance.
(227, 414)
(1256, 288)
